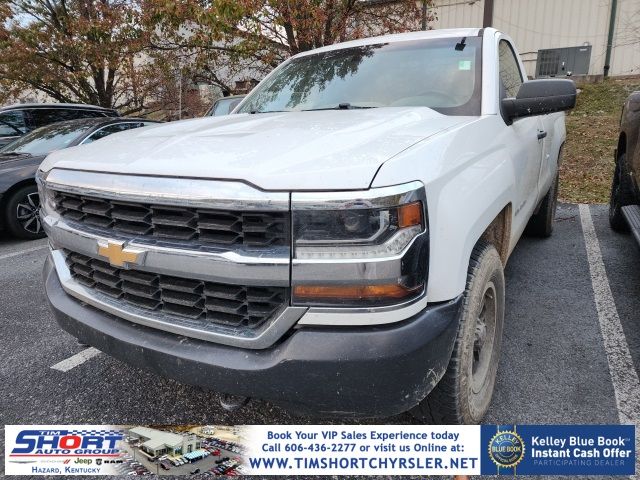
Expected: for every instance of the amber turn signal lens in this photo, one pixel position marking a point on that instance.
(410, 215)
(353, 292)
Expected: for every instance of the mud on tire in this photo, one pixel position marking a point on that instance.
(464, 393)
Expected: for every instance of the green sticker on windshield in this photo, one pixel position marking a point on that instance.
(464, 65)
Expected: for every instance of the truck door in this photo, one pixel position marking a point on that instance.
(550, 159)
(521, 140)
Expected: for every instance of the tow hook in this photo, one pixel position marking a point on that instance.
(231, 403)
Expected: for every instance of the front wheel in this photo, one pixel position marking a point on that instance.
(22, 214)
(464, 393)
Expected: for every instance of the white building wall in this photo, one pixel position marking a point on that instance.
(538, 24)
(625, 59)
(458, 13)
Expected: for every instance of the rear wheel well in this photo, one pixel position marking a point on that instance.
(498, 233)
(622, 145)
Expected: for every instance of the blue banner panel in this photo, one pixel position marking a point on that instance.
(558, 449)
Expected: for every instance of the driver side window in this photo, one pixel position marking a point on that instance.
(510, 75)
(12, 124)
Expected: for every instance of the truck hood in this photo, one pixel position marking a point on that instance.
(320, 150)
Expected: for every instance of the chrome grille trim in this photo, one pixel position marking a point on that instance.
(259, 338)
(240, 267)
(186, 192)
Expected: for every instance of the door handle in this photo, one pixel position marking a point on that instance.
(541, 134)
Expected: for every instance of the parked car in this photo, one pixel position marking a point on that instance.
(17, 120)
(363, 206)
(165, 465)
(19, 160)
(624, 206)
(224, 106)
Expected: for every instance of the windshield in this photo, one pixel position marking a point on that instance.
(442, 74)
(47, 139)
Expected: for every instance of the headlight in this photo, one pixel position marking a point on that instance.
(359, 230)
(367, 248)
(46, 195)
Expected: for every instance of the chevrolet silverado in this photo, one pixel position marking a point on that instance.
(336, 245)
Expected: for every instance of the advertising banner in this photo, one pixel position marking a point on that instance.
(320, 450)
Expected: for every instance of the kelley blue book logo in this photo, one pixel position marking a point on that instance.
(558, 449)
(506, 449)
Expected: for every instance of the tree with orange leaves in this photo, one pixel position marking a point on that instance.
(225, 39)
(75, 51)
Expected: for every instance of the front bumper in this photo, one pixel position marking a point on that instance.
(364, 371)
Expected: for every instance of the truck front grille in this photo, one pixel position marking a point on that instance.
(237, 306)
(194, 225)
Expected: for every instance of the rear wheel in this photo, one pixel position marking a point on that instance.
(541, 223)
(621, 195)
(464, 393)
(22, 213)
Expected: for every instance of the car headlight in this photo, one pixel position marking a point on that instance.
(343, 233)
(358, 231)
(45, 194)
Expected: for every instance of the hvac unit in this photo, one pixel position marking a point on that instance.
(562, 62)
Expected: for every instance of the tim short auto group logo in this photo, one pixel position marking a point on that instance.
(37, 446)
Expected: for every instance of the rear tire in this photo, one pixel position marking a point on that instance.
(464, 393)
(541, 223)
(22, 214)
(621, 195)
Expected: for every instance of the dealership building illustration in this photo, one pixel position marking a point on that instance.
(157, 442)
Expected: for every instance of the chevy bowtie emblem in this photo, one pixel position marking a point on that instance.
(118, 255)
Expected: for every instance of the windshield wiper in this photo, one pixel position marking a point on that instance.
(253, 112)
(341, 106)
(16, 154)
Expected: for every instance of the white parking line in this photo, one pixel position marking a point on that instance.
(27, 250)
(623, 373)
(77, 359)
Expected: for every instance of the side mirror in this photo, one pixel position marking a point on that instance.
(634, 102)
(539, 97)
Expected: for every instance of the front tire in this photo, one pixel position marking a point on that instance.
(22, 214)
(464, 393)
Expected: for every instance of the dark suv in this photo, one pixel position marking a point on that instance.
(16, 120)
(624, 207)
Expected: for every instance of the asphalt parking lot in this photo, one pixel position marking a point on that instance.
(557, 366)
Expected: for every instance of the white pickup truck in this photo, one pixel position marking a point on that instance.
(335, 246)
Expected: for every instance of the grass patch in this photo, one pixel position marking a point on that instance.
(592, 136)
